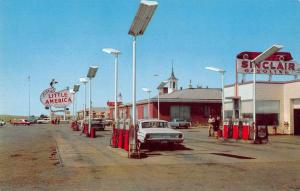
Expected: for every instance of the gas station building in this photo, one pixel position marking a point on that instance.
(277, 104)
(190, 104)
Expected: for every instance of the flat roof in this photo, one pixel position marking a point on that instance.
(265, 82)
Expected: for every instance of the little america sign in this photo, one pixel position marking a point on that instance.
(50, 98)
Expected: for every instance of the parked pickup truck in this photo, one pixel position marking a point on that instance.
(179, 123)
(97, 123)
(152, 131)
(21, 122)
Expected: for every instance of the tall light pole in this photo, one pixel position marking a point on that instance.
(28, 96)
(73, 97)
(91, 74)
(138, 27)
(116, 54)
(149, 92)
(75, 90)
(222, 72)
(84, 81)
(254, 62)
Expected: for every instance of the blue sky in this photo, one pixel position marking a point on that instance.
(60, 39)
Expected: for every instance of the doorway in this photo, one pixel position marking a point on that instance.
(296, 121)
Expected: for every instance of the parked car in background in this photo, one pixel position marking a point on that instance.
(152, 131)
(2, 123)
(21, 122)
(43, 121)
(179, 123)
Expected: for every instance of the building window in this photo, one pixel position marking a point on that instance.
(145, 111)
(207, 111)
(228, 113)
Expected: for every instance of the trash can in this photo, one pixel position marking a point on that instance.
(261, 134)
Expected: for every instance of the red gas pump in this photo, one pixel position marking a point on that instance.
(236, 126)
(126, 134)
(85, 129)
(114, 137)
(75, 126)
(120, 136)
(246, 130)
(93, 133)
(227, 128)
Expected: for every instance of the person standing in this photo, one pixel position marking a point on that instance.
(217, 127)
(211, 121)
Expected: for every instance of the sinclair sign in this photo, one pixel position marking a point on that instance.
(280, 63)
(50, 98)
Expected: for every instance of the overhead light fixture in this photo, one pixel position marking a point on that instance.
(76, 88)
(142, 17)
(92, 71)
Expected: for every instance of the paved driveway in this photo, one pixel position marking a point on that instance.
(201, 163)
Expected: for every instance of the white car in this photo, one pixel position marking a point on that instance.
(157, 131)
(2, 123)
(43, 121)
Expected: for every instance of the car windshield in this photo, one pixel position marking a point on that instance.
(154, 124)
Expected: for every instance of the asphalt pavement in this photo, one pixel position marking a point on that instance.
(48, 157)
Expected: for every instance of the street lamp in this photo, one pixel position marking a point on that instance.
(91, 74)
(116, 54)
(72, 92)
(222, 72)
(28, 97)
(84, 81)
(75, 89)
(138, 27)
(148, 91)
(254, 62)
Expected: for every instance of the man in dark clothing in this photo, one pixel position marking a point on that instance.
(217, 127)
